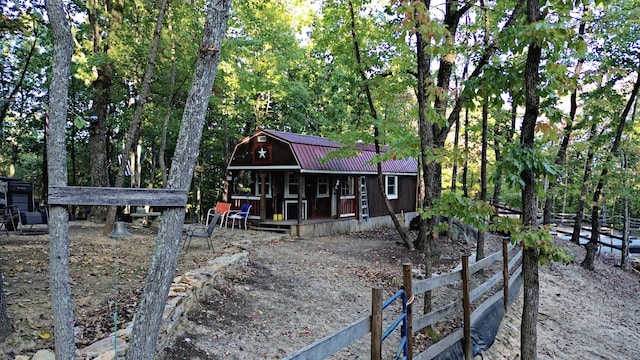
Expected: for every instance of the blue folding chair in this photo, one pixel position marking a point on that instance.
(241, 216)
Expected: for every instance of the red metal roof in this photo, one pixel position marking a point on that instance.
(309, 150)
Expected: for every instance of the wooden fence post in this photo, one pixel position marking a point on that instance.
(376, 323)
(505, 275)
(408, 290)
(466, 308)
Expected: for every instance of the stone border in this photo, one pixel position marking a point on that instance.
(186, 291)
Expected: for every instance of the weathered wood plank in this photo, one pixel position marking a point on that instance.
(423, 286)
(421, 322)
(484, 306)
(483, 263)
(515, 259)
(85, 195)
(333, 343)
(437, 348)
(485, 286)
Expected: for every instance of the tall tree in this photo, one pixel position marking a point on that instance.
(148, 318)
(570, 123)
(586, 182)
(592, 245)
(531, 284)
(376, 137)
(57, 170)
(134, 125)
(102, 86)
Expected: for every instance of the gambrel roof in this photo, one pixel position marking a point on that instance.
(306, 152)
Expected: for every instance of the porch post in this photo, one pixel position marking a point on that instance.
(301, 190)
(263, 198)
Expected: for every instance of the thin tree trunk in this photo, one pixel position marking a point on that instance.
(465, 165)
(167, 248)
(531, 285)
(167, 115)
(625, 221)
(376, 133)
(592, 245)
(6, 104)
(483, 173)
(586, 182)
(60, 287)
(568, 129)
(136, 121)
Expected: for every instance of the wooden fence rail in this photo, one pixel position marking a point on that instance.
(342, 338)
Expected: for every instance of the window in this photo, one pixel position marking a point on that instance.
(391, 186)
(267, 185)
(323, 187)
(291, 184)
(347, 186)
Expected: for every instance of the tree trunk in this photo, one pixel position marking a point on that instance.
(483, 172)
(57, 169)
(592, 245)
(424, 242)
(568, 129)
(136, 121)
(6, 104)
(376, 136)
(586, 181)
(167, 115)
(165, 257)
(625, 229)
(6, 326)
(497, 180)
(465, 165)
(528, 334)
(100, 101)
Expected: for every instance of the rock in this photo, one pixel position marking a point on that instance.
(44, 355)
(105, 356)
(103, 346)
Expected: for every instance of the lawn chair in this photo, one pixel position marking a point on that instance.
(201, 232)
(221, 208)
(241, 216)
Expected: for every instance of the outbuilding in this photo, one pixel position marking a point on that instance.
(294, 184)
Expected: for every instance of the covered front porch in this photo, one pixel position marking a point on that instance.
(289, 195)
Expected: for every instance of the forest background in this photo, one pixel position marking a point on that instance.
(451, 83)
(291, 66)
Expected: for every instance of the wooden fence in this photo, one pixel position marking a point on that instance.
(508, 274)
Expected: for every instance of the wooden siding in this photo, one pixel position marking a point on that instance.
(406, 201)
(280, 153)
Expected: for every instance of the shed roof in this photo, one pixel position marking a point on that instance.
(310, 150)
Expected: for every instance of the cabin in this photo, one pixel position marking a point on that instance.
(293, 188)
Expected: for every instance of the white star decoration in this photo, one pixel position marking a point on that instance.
(262, 153)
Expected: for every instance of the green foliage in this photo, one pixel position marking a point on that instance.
(471, 212)
(518, 159)
(541, 239)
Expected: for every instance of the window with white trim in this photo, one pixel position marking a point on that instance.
(347, 186)
(267, 185)
(291, 184)
(391, 186)
(323, 187)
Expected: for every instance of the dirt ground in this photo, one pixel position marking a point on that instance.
(296, 291)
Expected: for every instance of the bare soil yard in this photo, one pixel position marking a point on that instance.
(296, 291)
